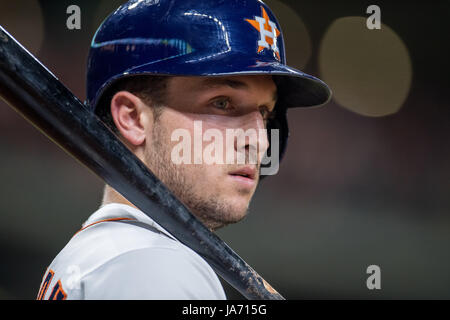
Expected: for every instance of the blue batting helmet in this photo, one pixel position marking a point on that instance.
(199, 38)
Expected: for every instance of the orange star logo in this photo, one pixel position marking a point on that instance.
(268, 31)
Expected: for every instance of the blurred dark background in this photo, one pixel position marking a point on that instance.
(365, 181)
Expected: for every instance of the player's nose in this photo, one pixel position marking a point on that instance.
(251, 139)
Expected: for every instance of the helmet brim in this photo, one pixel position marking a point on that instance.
(295, 88)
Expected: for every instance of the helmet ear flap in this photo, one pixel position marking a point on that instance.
(278, 122)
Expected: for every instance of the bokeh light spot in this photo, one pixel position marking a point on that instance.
(369, 71)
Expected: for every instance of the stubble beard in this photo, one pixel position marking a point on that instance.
(213, 211)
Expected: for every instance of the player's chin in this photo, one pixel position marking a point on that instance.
(231, 217)
(230, 213)
(238, 207)
(241, 193)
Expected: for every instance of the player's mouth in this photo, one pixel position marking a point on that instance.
(245, 176)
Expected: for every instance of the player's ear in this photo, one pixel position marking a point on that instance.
(130, 115)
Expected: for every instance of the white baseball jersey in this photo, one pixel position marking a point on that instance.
(121, 253)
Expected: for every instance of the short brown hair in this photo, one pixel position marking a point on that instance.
(151, 89)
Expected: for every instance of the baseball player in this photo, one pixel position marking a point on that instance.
(157, 68)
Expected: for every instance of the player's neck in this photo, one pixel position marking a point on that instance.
(112, 196)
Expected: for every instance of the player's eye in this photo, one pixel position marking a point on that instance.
(222, 103)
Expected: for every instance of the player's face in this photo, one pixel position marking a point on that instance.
(208, 143)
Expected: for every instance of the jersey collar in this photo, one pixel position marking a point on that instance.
(123, 211)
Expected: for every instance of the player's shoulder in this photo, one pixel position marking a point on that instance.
(111, 231)
(118, 239)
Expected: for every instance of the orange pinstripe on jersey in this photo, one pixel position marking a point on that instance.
(105, 220)
(58, 292)
(45, 284)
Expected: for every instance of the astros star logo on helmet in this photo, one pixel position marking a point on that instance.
(268, 31)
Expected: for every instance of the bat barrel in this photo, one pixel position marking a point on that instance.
(34, 92)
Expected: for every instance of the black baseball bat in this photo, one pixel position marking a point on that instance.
(34, 92)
